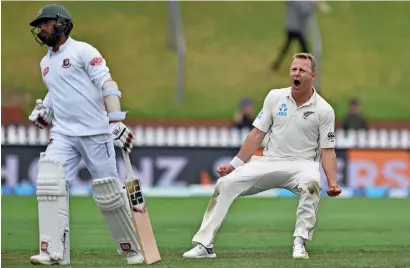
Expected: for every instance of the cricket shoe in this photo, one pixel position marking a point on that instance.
(299, 251)
(135, 258)
(45, 259)
(200, 251)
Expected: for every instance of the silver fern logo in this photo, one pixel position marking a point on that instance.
(306, 114)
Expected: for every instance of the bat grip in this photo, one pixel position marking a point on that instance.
(127, 162)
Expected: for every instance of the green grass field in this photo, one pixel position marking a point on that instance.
(230, 46)
(257, 233)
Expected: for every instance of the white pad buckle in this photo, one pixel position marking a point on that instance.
(52, 206)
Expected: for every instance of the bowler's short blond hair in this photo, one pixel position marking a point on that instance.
(307, 56)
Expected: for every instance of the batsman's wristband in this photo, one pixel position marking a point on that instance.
(236, 162)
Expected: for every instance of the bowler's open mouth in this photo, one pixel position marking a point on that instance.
(296, 82)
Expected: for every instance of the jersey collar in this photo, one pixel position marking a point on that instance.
(309, 102)
(61, 48)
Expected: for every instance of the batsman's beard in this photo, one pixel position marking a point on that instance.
(48, 39)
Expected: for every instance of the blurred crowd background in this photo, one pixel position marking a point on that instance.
(194, 74)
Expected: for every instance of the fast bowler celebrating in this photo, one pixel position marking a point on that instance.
(301, 133)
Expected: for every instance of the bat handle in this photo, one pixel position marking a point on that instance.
(127, 162)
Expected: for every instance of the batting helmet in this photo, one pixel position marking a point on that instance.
(63, 25)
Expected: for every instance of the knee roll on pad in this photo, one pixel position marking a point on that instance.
(52, 201)
(114, 206)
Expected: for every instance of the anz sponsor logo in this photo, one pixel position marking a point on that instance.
(260, 115)
(283, 110)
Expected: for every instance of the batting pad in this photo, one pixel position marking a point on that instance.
(114, 206)
(52, 206)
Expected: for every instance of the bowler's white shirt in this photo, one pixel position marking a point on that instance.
(74, 77)
(296, 132)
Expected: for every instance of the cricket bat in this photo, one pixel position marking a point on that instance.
(140, 216)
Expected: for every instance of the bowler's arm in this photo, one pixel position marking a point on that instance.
(327, 144)
(255, 137)
(251, 144)
(329, 164)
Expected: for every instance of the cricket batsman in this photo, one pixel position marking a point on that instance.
(301, 135)
(82, 109)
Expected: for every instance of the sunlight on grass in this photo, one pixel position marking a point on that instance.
(230, 46)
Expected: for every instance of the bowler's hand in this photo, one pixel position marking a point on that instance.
(225, 170)
(334, 190)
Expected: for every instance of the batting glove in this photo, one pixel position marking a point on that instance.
(41, 116)
(122, 136)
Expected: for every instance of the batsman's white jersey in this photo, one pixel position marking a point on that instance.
(74, 77)
(296, 133)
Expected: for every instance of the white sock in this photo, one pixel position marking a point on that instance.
(299, 240)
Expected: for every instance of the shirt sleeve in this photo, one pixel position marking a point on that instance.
(327, 130)
(95, 65)
(48, 101)
(264, 119)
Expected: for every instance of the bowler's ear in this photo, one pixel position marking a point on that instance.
(313, 75)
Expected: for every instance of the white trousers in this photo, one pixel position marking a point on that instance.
(258, 175)
(97, 152)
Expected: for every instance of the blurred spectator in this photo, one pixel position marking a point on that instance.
(354, 119)
(244, 117)
(298, 14)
